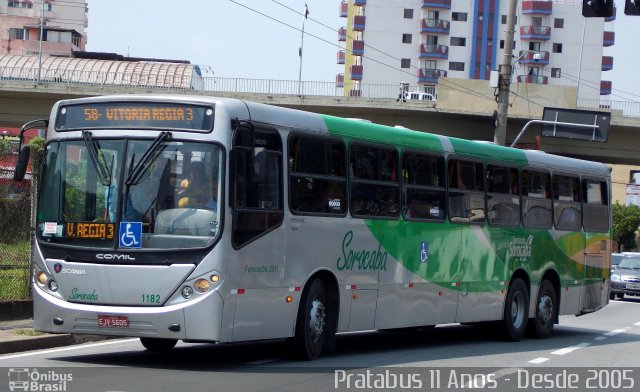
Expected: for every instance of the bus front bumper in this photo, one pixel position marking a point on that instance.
(199, 319)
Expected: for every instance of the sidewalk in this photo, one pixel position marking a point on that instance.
(18, 335)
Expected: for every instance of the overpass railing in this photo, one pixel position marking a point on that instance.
(354, 90)
(208, 84)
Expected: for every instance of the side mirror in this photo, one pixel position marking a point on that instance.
(21, 165)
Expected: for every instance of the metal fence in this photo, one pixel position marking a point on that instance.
(620, 108)
(15, 245)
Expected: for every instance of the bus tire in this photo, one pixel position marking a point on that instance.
(541, 325)
(312, 322)
(158, 345)
(516, 311)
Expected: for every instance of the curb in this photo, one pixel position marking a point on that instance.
(47, 341)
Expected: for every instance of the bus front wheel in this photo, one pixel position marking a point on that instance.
(158, 345)
(541, 325)
(516, 311)
(312, 321)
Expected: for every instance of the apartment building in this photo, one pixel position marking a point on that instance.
(63, 28)
(420, 41)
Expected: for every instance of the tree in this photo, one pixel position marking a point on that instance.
(626, 220)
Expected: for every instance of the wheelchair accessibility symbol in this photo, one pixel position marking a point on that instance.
(130, 235)
(424, 252)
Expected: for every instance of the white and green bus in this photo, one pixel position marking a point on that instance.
(219, 220)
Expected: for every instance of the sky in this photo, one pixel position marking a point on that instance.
(229, 39)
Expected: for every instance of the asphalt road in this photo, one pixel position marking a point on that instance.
(598, 350)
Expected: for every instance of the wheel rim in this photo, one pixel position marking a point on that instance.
(517, 309)
(316, 320)
(545, 310)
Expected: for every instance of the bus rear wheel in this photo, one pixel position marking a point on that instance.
(516, 311)
(158, 345)
(312, 322)
(541, 325)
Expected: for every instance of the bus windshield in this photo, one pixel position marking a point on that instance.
(123, 194)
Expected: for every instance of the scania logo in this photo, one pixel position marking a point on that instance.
(57, 268)
(114, 256)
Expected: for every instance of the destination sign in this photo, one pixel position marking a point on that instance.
(90, 230)
(140, 115)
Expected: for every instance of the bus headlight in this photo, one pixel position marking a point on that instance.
(42, 278)
(187, 292)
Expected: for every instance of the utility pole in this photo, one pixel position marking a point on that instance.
(504, 84)
(41, 39)
(306, 15)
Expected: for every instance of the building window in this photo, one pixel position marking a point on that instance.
(17, 34)
(634, 176)
(459, 16)
(458, 41)
(556, 73)
(405, 63)
(502, 44)
(557, 48)
(20, 4)
(503, 19)
(480, 17)
(406, 38)
(456, 66)
(408, 13)
(558, 23)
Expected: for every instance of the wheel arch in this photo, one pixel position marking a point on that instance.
(330, 282)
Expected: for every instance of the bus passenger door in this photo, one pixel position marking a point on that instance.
(257, 235)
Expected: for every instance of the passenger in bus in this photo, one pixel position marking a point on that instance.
(199, 193)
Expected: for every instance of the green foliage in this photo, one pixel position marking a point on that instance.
(14, 219)
(5, 147)
(37, 153)
(626, 220)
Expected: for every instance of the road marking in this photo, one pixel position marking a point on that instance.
(568, 350)
(600, 338)
(76, 347)
(262, 361)
(615, 332)
(637, 324)
(538, 360)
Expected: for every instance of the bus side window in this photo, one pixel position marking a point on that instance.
(317, 184)
(536, 200)
(595, 208)
(567, 209)
(375, 189)
(503, 198)
(423, 187)
(466, 191)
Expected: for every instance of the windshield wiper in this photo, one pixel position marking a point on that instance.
(104, 174)
(142, 168)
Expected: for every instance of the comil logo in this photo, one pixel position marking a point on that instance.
(30, 380)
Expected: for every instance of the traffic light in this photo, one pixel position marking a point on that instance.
(598, 8)
(632, 7)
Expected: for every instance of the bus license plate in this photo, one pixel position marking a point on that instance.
(105, 321)
(633, 286)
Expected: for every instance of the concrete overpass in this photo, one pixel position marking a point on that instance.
(464, 109)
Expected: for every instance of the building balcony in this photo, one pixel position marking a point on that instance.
(357, 47)
(344, 8)
(537, 7)
(607, 63)
(535, 79)
(538, 33)
(342, 34)
(442, 4)
(359, 22)
(612, 17)
(340, 57)
(435, 26)
(527, 57)
(430, 75)
(360, 2)
(605, 87)
(608, 38)
(356, 72)
(434, 51)
(340, 80)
